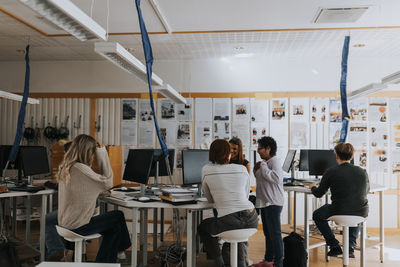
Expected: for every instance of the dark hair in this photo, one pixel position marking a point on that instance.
(67, 146)
(268, 141)
(344, 151)
(238, 142)
(219, 151)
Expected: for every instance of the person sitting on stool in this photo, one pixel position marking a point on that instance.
(349, 186)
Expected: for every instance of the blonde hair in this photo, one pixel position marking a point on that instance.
(82, 150)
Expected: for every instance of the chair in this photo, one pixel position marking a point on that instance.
(347, 221)
(236, 236)
(77, 239)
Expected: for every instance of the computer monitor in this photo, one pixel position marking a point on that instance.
(288, 163)
(4, 153)
(138, 165)
(320, 160)
(303, 162)
(162, 167)
(193, 161)
(34, 160)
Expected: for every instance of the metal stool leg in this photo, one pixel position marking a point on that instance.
(234, 252)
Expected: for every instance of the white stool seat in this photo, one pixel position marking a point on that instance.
(236, 236)
(77, 239)
(347, 221)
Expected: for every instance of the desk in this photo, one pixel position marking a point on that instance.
(44, 193)
(134, 206)
(306, 191)
(77, 264)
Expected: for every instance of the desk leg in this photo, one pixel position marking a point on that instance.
(50, 203)
(289, 201)
(381, 225)
(145, 222)
(190, 253)
(28, 220)
(306, 226)
(43, 227)
(14, 216)
(134, 237)
(155, 230)
(294, 211)
(362, 244)
(162, 225)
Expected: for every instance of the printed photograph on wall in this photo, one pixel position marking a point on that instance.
(358, 109)
(146, 114)
(378, 110)
(129, 107)
(360, 158)
(335, 110)
(298, 110)
(167, 109)
(278, 109)
(184, 134)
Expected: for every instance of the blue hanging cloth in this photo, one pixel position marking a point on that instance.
(21, 114)
(343, 94)
(148, 53)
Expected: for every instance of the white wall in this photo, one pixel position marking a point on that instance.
(209, 75)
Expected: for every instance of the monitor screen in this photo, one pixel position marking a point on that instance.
(162, 167)
(34, 160)
(193, 161)
(303, 162)
(138, 165)
(320, 160)
(4, 153)
(287, 165)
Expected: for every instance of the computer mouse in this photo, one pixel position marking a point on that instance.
(143, 198)
(124, 188)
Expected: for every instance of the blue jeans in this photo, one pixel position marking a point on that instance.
(53, 241)
(320, 217)
(271, 220)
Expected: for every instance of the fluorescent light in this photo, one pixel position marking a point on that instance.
(69, 17)
(118, 55)
(366, 90)
(393, 78)
(16, 97)
(170, 93)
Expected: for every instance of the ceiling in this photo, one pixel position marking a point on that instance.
(208, 29)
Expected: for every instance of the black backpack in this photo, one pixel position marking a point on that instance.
(295, 252)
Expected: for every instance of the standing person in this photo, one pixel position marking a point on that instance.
(226, 185)
(79, 186)
(270, 200)
(237, 156)
(349, 186)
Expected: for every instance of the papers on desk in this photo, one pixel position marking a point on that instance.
(179, 196)
(177, 190)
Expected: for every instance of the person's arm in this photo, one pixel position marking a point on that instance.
(206, 192)
(323, 186)
(271, 174)
(248, 167)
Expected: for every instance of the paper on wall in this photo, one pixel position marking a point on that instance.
(203, 133)
(203, 108)
(241, 110)
(184, 134)
(222, 109)
(222, 130)
(378, 110)
(167, 109)
(168, 132)
(184, 112)
(129, 109)
(358, 134)
(128, 130)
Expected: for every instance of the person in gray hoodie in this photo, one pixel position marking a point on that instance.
(270, 200)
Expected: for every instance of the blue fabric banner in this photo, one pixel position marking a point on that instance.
(22, 109)
(343, 94)
(148, 53)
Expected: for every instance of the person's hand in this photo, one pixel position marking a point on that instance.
(257, 166)
(311, 185)
(99, 145)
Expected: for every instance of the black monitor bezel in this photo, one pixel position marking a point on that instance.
(41, 151)
(143, 178)
(291, 160)
(303, 160)
(318, 154)
(183, 168)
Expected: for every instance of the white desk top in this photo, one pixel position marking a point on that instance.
(305, 189)
(77, 264)
(22, 194)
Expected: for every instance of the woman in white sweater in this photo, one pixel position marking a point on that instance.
(79, 187)
(228, 186)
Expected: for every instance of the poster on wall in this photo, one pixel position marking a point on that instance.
(378, 135)
(203, 134)
(299, 135)
(146, 114)
(256, 133)
(129, 109)
(241, 110)
(241, 131)
(203, 107)
(396, 135)
(358, 109)
(394, 109)
(168, 130)
(259, 111)
(334, 134)
(128, 131)
(379, 160)
(221, 109)
(146, 135)
(167, 109)
(378, 110)
(319, 111)
(222, 130)
(178, 156)
(360, 158)
(278, 111)
(184, 134)
(395, 162)
(184, 112)
(299, 123)
(335, 110)
(279, 127)
(357, 134)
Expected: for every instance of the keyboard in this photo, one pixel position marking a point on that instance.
(27, 188)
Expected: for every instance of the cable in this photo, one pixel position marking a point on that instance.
(91, 9)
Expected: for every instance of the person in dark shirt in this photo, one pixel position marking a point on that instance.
(237, 156)
(349, 187)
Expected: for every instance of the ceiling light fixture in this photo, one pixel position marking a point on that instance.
(16, 97)
(366, 90)
(69, 17)
(171, 93)
(118, 55)
(393, 78)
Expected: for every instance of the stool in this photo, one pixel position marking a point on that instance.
(77, 239)
(236, 236)
(347, 221)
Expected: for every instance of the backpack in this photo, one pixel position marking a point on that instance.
(295, 252)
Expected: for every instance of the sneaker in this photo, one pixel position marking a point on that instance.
(334, 251)
(351, 254)
(263, 263)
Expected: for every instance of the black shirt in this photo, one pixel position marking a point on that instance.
(235, 161)
(349, 186)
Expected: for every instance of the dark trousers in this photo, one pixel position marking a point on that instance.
(320, 217)
(112, 227)
(213, 226)
(271, 219)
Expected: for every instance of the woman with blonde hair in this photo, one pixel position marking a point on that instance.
(237, 156)
(79, 187)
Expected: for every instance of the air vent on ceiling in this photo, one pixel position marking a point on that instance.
(339, 15)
